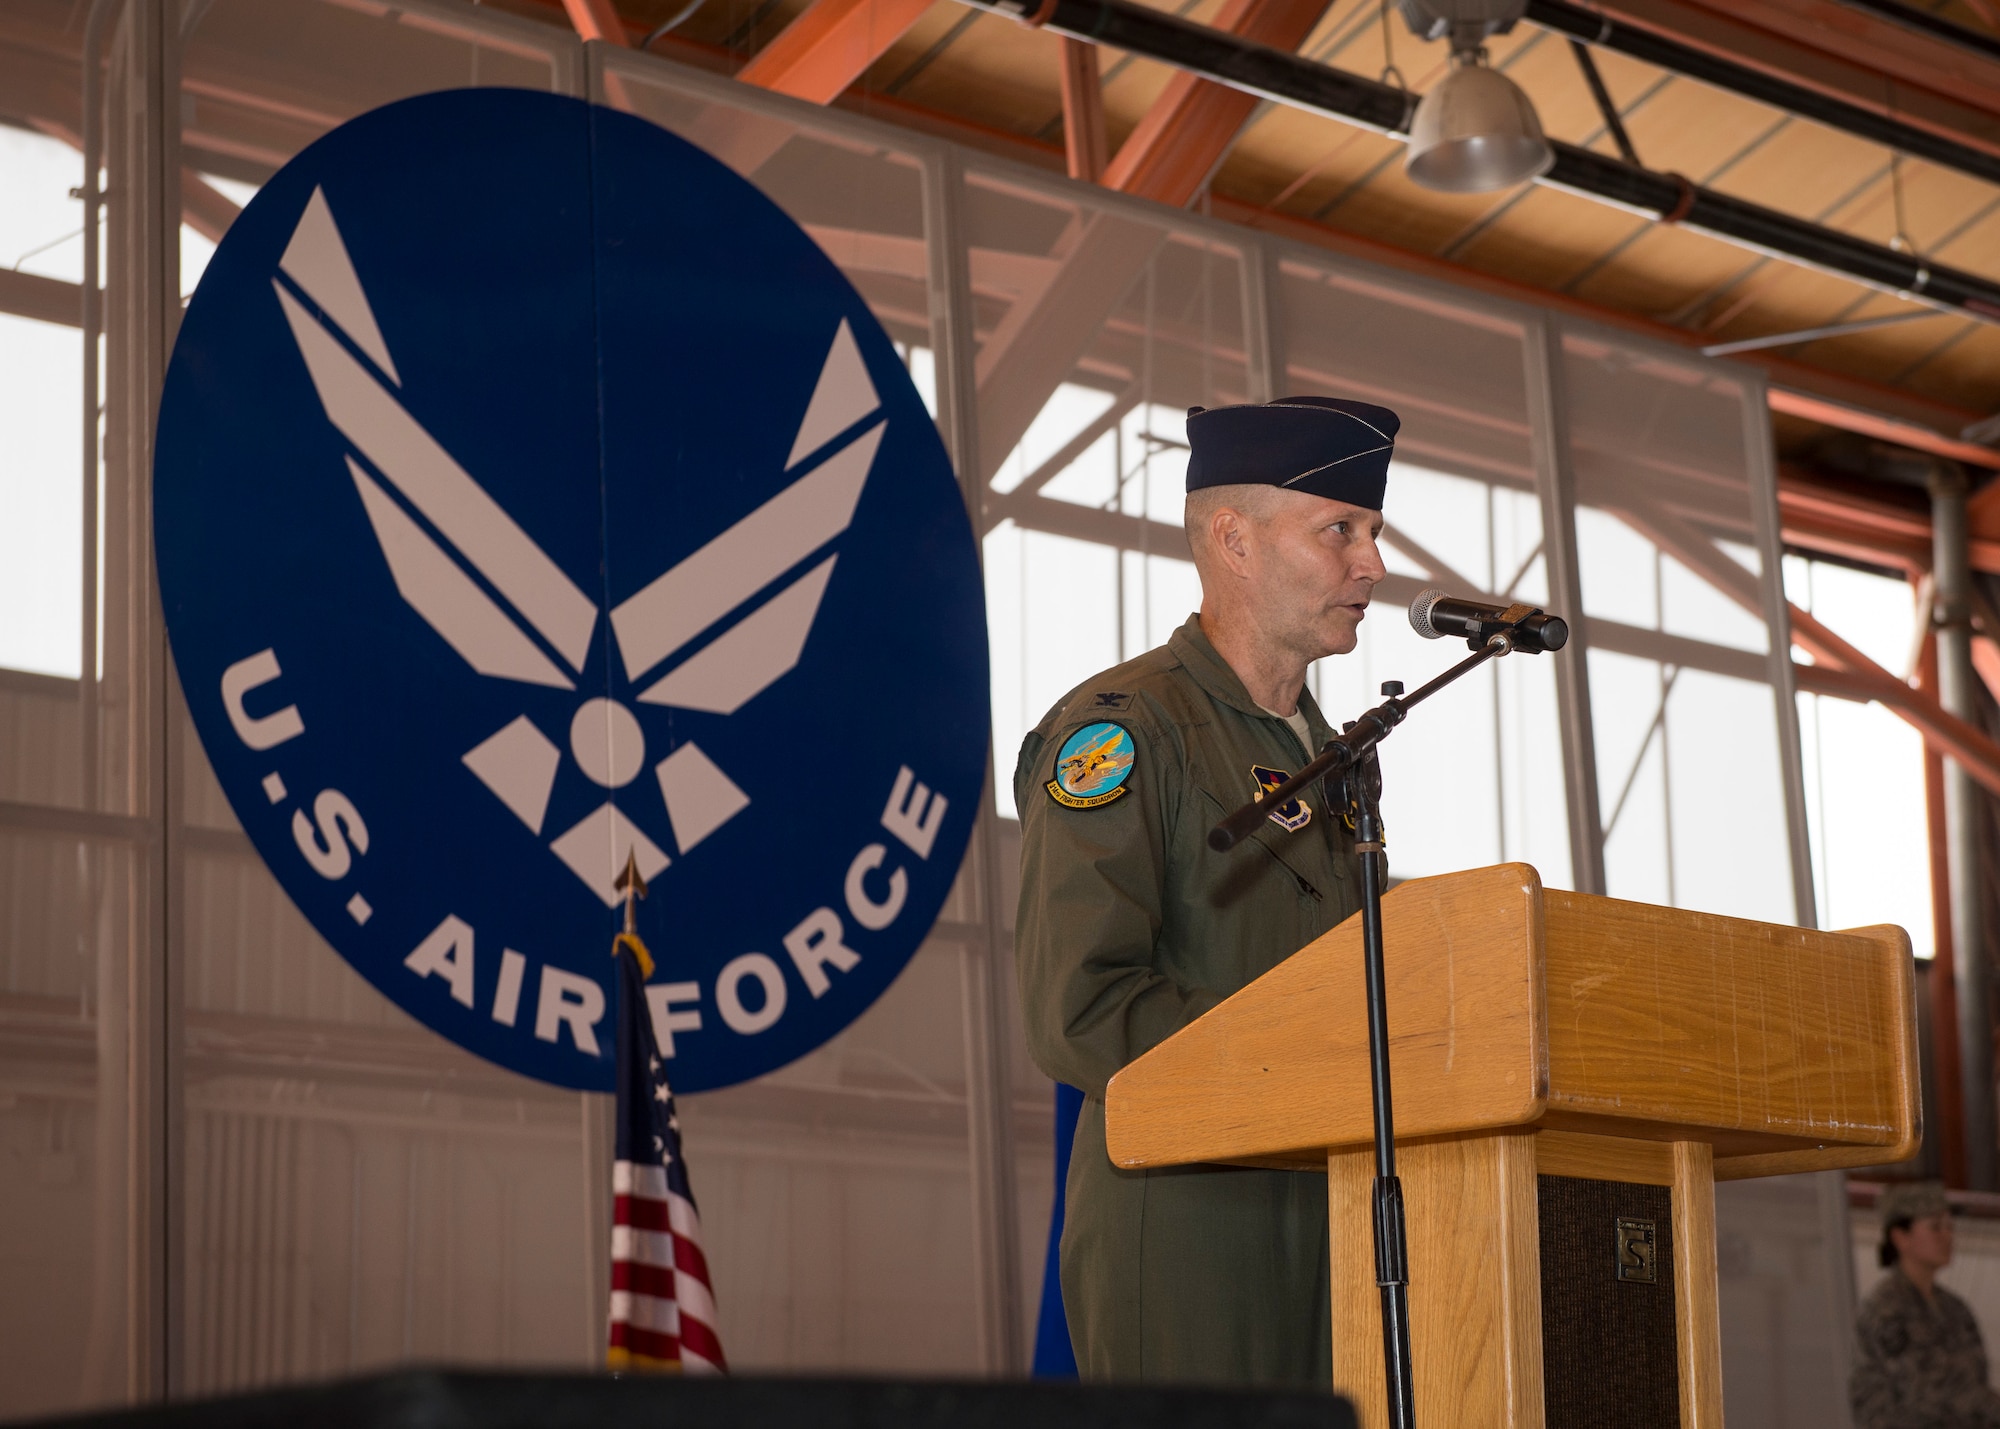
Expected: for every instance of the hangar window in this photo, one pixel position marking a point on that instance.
(1864, 767)
(41, 356)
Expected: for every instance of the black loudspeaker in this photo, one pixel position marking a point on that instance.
(419, 1399)
(1609, 1354)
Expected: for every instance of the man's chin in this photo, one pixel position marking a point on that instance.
(1340, 640)
(1343, 629)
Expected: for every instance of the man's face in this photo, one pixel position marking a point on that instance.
(1313, 570)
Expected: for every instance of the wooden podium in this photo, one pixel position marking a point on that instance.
(1571, 1076)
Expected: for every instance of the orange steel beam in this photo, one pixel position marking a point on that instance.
(1985, 634)
(1815, 517)
(49, 300)
(1839, 669)
(1823, 60)
(1191, 125)
(1902, 57)
(1854, 676)
(1868, 423)
(830, 45)
(204, 208)
(1982, 512)
(597, 20)
(1084, 145)
(1840, 523)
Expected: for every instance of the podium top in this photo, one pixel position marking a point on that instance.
(1514, 1005)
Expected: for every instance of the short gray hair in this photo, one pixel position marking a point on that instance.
(1253, 499)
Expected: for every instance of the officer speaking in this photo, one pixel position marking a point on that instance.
(1131, 926)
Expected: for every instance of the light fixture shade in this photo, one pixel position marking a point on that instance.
(1475, 132)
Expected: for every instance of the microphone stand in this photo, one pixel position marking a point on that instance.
(1354, 779)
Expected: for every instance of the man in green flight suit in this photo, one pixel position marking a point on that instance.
(1130, 926)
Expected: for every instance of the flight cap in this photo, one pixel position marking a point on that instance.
(1325, 446)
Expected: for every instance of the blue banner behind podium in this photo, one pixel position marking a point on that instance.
(533, 495)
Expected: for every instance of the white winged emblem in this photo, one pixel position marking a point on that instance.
(529, 622)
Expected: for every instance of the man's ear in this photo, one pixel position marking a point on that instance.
(1229, 537)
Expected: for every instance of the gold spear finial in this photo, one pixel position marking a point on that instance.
(632, 884)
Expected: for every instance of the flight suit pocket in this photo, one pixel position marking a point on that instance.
(1239, 873)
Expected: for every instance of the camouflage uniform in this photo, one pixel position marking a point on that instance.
(1130, 928)
(1919, 1363)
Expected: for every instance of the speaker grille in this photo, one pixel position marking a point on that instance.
(1608, 1347)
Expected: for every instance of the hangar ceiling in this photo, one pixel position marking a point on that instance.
(991, 80)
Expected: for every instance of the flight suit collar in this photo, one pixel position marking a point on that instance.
(1199, 658)
(1190, 645)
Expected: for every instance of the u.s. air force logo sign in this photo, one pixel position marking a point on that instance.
(532, 495)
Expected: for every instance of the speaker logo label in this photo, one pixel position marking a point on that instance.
(1637, 1250)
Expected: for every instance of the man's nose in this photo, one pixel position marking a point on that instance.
(1370, 566)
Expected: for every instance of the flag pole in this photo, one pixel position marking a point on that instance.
(662, 1314)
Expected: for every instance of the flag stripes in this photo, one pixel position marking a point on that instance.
(662, 1305)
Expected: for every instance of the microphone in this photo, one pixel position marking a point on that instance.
(1434, 615)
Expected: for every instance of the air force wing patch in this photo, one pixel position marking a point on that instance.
(1092, 766)
(1292, 815)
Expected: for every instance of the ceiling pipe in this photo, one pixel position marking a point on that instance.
(1300, 83)
(1936, 26)
(1602, 31)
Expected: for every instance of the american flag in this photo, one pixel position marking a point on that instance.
(662, 1306)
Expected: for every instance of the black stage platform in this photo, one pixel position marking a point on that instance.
(449, 1399)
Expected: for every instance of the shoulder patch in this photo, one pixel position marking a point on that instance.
(1292, 815)
(1109, 700)
(1093, 765)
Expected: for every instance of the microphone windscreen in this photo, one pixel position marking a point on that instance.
(1420, 613)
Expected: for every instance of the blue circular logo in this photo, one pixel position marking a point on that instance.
(535, 501)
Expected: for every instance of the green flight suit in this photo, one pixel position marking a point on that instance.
(1130, 927)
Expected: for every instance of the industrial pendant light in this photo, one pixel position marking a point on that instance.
(1475, 132)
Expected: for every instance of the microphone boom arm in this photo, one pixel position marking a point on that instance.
(1348, 749)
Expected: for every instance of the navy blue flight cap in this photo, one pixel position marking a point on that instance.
(1324, 446)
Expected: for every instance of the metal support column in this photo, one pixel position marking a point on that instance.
(1829, 1187)
(1951, 613)
(598, 1138)
(1760, 454)
(1263, 332)
(988, 979)
(1555, 484)
(140, 1089)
